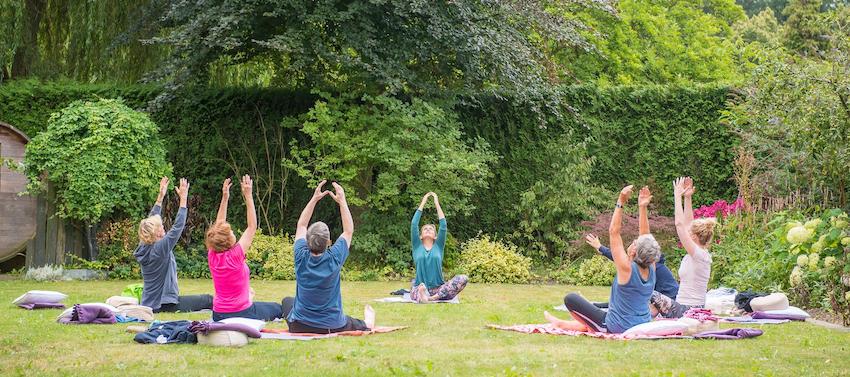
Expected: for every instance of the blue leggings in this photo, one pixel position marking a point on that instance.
(266, 311)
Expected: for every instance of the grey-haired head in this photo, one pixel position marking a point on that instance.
(318, 237)
(647, 250)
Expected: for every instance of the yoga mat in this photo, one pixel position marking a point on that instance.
(406, 300)
(284, 334)
(551, 330)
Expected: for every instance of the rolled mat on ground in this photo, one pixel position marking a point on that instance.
(405, 299)
(89, 314)
(551, 330)
(283, 334)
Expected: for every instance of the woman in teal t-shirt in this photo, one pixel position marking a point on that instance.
(428, 247)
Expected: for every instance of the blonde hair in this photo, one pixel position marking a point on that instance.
(703, 229)
(432, 226)
(148, 229)
(219, 237)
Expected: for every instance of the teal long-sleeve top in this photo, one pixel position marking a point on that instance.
(429, 263)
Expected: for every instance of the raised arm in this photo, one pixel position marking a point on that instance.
(247, 186)
(686, 197)
(176, 230)
(344, 213)
(683, 224)
(307, 212)
(157, 207)
(441, 233)
(618, 250)
(644, 197)
(414, 223)
(221, 216)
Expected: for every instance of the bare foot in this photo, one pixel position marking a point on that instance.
(423, 294)
(369, 316)
(564, 325)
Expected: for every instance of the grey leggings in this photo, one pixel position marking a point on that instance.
(585, 312)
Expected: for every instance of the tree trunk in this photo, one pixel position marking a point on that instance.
(27, 53)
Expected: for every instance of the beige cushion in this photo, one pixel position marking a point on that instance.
(136, 311)
(223, 338)
(696, 326)
(117, 301)
(773, 301)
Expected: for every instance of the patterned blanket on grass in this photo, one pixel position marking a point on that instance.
(284, 334)
(551, 330)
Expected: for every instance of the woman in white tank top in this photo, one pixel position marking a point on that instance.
(695, 270)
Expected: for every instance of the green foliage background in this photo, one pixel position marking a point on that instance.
(639, 136)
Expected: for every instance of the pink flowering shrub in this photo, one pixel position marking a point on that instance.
(720, 208)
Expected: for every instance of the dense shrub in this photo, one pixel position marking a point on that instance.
(596, 270)
(819, 251)
(101, 157)
(388, 153)
(492, 261)
(116, 241)
(552, 207)
(271, 257)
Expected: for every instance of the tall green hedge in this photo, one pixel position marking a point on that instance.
(639, 135)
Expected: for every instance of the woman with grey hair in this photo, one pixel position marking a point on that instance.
(630, 290)
(428, 247)
(317, 306)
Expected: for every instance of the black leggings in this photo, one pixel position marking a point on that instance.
(351, 324)
(187, 304)
(585, 312)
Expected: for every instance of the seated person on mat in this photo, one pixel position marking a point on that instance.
(317, 306)
(428, 258)
(665, 283)
(230, 274)
(630, 290)
(695, 269)
(155, 254)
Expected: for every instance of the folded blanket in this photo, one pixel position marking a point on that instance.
(730, 334)
(167, 333)
(405, 299)
(284, 334)
(42, 305)
(551, 330)
(205, 327)
(93, 314)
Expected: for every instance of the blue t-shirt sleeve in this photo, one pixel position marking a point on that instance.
(339, 251)
(606, 252)
(301, 249)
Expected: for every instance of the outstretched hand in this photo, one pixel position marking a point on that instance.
(644, 197)
(593, 241)
(225, 188)
(339, 193)
(318, 194)
(183, 189)
(679, 186)
(688, 187)
(247, 185)
(625, 194)
(163, 186)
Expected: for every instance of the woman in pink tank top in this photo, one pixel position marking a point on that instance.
(230, 274)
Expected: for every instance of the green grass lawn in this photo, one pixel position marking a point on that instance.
(441, 340)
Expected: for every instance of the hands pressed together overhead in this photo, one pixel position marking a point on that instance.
(338, 195)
